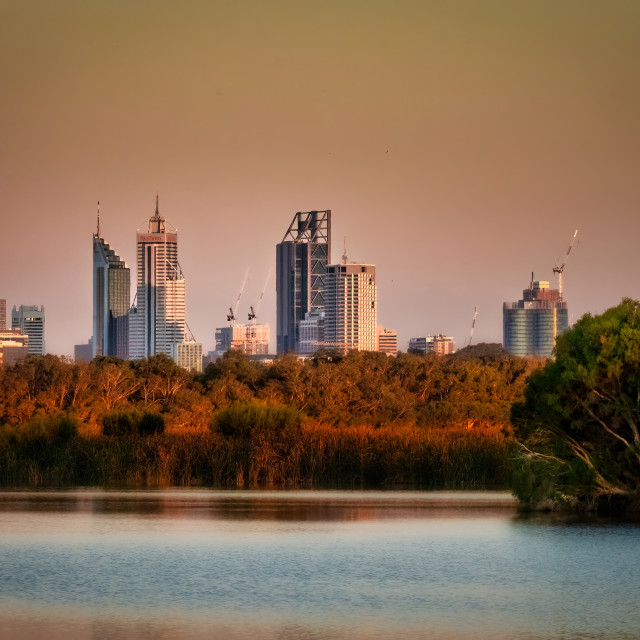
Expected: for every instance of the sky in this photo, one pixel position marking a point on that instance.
(458, 145)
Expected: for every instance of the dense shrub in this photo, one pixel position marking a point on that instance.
(243, 420)
(132, 422)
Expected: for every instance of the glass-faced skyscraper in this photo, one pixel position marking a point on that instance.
(301, 261)
(30, 320)
(111, 300)
(531, 325)
(157, 320)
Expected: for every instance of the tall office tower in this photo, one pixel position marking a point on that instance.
(3, 314)
(30, 320)
(111, 300)
(351, 307)
(301, 261)
(157, 321)
(531, 325)
(388, 341)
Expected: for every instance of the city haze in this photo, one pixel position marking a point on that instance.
(458, 146)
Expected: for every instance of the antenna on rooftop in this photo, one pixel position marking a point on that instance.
(98, 231)
(344, 255)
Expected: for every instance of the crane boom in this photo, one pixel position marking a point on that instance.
(253, 313)
(473, 325)
(559, 268)
(231, 316)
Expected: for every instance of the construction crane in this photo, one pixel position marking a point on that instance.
(559, 268)
(253, 314)
(231, 316)
(473, 326)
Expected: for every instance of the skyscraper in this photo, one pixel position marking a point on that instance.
(30, 320)
(111, 300)
(351, 307)
(531, 325)
(157, 320)
(301, 261)
(3, 314)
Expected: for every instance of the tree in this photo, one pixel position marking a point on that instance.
(579, 425)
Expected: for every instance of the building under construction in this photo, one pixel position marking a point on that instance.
(301, 261)
(531, 325)
(252, 339)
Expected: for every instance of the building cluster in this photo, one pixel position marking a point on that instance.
(156, 321)
(320, 305)
(26, 335)
(325, 305)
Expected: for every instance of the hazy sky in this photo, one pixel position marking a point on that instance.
(458, 145)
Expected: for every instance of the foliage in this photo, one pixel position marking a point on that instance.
(132, 422)
(579, 424)
(243, 420)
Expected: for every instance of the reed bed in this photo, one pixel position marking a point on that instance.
(318, 455)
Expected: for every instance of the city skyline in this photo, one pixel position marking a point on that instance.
(457, 147)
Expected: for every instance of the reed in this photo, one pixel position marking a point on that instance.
(316, 455)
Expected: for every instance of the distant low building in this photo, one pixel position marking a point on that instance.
(188, 355)
(311, 332)
(252, 339)
(440, 344)
(14, 347)
(83, 352)
(388, 341)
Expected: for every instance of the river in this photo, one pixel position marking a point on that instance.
(309, 565)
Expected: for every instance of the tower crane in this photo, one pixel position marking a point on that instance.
(253, 313)
(559, 268)
(473, 326)
(231, 316)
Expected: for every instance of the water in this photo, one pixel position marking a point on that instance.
(309, 565)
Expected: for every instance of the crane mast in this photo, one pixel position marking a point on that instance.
(559, 268)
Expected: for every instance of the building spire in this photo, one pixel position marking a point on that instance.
(98, 231)
(344, 255)
(157, 209)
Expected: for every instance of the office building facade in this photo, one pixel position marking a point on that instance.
(531, 325)
(439, 344)
(14, 346)
(157, 320)
(30, 320)
(301, 261)
(188, 355)
(311, 333)
(351, 307)
(111, 301)
(388, 341)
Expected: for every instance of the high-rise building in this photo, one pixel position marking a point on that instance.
(30, 320)
(301, 261)
(3, 314)
(83, 352)
(111, 300)
(531, 325)
(157, 320)
(388, 341)
(252, 339)
(351, 307)
(14, 346)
